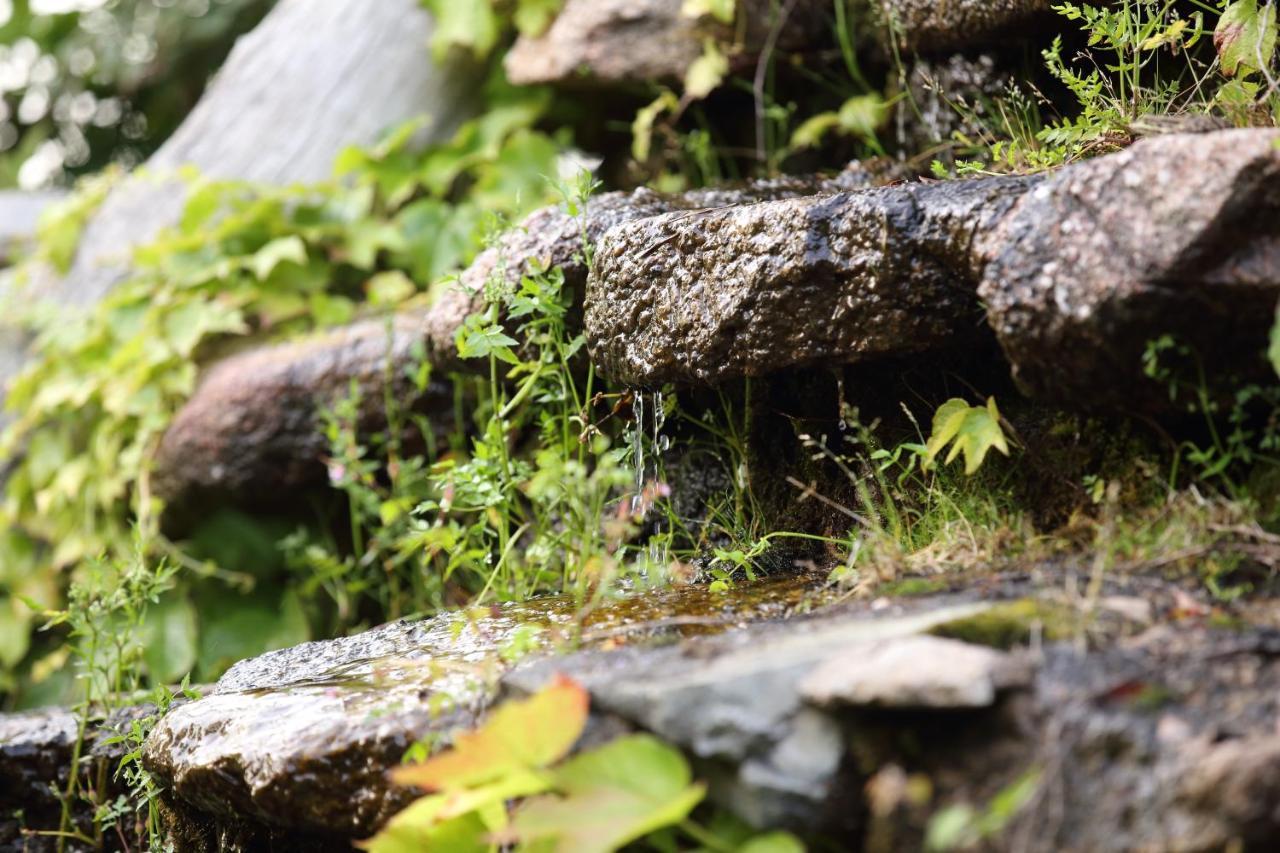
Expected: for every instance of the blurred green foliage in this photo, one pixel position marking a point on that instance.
(244, 259)
(85, 83)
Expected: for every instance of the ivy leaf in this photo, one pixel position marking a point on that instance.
(974, 430)
(278, 251)
(387, 289)
(612, 796)
(1245, 37)
(860, 117)
(472, 25)
(707, 71)
(646, 117)
(518, 737)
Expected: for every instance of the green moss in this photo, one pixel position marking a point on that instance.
(1011, 624)
(911, 587)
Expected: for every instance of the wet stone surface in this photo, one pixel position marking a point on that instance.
(703, 297)
(301, 739)
(1178, 235)
(35, 754)
(251, 434)
(1142, 724)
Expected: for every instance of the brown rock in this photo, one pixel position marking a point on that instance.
(826, 279)
(931, 26)
(251, 432)
(1179, 234)
(250, 435)
(610, 42)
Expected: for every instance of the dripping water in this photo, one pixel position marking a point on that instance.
(637, 450)
(649, 417)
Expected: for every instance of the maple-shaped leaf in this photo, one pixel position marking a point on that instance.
(971, 430)
(1245, 37)
(608, 798)
(518, 738)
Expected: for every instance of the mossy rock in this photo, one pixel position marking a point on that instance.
(1011, 624)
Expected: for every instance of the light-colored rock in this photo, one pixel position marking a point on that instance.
(314, 77)
(915, 672)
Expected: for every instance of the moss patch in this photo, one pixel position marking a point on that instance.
(1011, 624)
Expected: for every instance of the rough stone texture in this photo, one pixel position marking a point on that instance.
(703, 297)
(299, 740)
(1178, 234)
(251, 434)
(609, 42)
(35, 748)
(252, 429)
(915, 672)
(933, 26)
(1150, 737)
(735, 701)
(1162, 741)
(35, 759)
(630, 42)
(550, 237)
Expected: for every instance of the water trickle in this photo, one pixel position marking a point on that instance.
(840, 403)
(637, 451)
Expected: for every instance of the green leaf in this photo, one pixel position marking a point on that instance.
(471, 25)
(168, 638)
(706, 72)
(390, 288)
(289, 249)
(811, 132)
(773, 842)
(646, 117)
(859, 117)
(974, 430)
(15, 631)
(367, 237)
(478, 340)
(1246, 37)
(612, 796)
(951, 828)
(419, 827)
(189, 323)
(532, 17)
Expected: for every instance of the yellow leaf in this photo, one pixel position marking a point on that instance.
(707, 71)
(517, 738)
